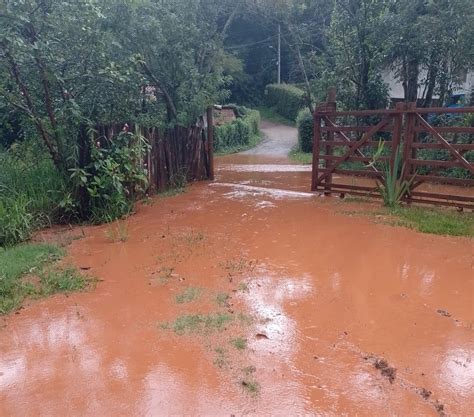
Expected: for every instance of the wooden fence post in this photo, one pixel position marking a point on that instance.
(316, 149)
(331, 107)
(210, 140)
(397, 133)
(408, 149)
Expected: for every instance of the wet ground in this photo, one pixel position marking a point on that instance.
(250, 296)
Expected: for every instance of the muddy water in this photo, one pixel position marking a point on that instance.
(322, 298)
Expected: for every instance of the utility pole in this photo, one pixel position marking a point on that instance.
(279, 54)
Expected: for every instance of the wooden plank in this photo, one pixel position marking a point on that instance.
(350, 143)
(336, 128)
(434, 163)
(448, 129)
(457, 146)
(353, 158)
(355, 172)
(316, 150)
(443, 196)
(368, 135)
(435, 179)
(210, 141)
(448, 146)
(442, 202)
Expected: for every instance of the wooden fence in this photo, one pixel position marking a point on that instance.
(433, 143)
(176, 155)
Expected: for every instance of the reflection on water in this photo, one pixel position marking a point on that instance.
(265, 168)
(457, 371)
(242, 191)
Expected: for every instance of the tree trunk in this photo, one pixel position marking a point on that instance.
(413, 71)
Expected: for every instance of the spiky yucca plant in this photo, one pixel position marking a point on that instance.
(394, 187)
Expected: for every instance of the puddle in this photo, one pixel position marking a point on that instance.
(310, 293)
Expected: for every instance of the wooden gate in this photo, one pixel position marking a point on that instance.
(434, 143)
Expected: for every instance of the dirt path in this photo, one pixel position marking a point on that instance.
(250, 296)
(278, 140)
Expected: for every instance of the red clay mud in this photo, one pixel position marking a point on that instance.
(317, 297)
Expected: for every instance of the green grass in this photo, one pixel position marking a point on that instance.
(271, 115)
(251, 386)
(188, 295)
(435, 221)
(34, 261)
(239, 343)
(300, 157)
(31, 192)
(222, 299)
(198, 323)
(253, 142)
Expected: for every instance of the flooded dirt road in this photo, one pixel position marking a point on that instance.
(250, 296)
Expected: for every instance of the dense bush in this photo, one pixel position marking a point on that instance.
(238, 134)
(304, 122)
(286, 99)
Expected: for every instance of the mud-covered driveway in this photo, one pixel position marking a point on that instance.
(250, 296)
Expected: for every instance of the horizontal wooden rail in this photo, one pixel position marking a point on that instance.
(405, 129)
(458, 146)
(386, 143)
(363, 113)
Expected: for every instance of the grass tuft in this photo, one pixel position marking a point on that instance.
(198, 323)
(117, 232)
(222, 299)
(188, 295)
(239, 343)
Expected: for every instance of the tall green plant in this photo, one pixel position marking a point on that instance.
(394, 186)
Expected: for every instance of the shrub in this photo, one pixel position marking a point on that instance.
(304, 123)
(239, 133)
(286, 99)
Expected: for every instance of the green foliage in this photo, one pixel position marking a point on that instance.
(393, 187)
(435, 221)
(188, 295)
(198, 323)
(239, 134)
(286, 99)
(114, 178)
(31, 191)
(303, 158)
(17, 262)
(304, 122)
(270, 114)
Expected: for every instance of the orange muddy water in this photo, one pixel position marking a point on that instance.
(296, 308)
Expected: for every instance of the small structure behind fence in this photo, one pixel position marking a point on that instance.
(433, 143)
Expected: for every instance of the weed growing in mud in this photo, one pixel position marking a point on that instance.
(117, 232)
(63, 281)
(192, 238)
(29, 271)
(221, 360)
(165, 274)
(245, 319)
(198, 323)
(251, 386)
(188, 295)
(222, 299)
(238, 265)
(239, 343)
